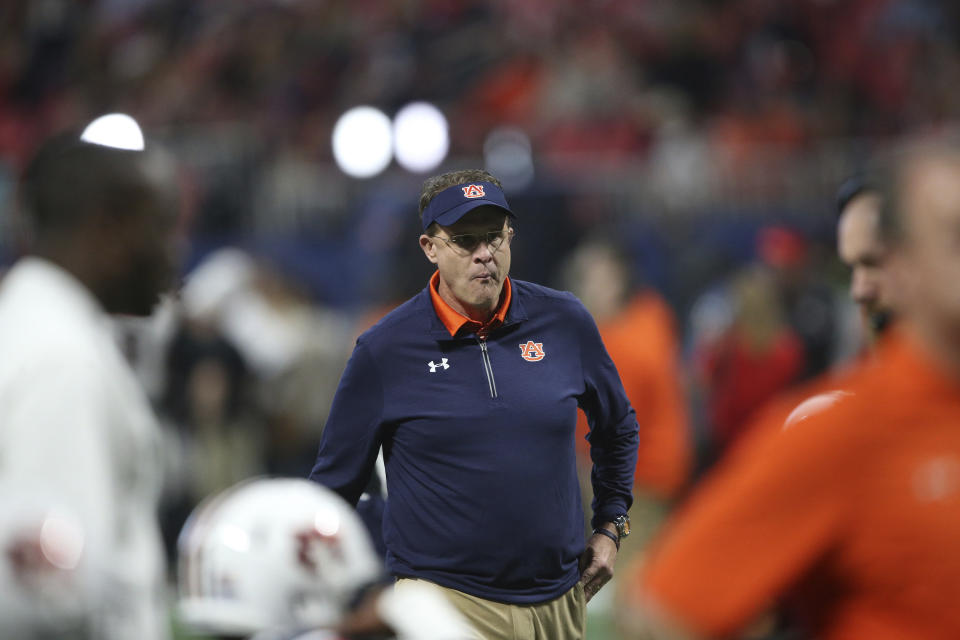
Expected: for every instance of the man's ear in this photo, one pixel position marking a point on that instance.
(429, 247)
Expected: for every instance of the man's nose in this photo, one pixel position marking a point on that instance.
(483, 253)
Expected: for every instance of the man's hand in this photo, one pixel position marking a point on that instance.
(596, 563)
(364, 619)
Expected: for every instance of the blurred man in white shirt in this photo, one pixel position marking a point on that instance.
(75, 427)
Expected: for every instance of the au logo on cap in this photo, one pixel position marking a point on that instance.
(473, 191)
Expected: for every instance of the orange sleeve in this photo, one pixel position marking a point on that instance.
(754, 527)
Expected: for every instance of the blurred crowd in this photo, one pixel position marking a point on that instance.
(605, 77)
(633, 110)
(706, 137)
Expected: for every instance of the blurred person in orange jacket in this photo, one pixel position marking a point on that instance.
(638, 329)
(862, 247)
(853, 515)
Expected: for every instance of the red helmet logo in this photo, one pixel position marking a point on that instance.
(309, 541)
(532, 351)
(473, 191)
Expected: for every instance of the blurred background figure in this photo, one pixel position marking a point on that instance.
(248, 373)
(286, 558)
(771, 325)
(807, 301)
(638, 329)
(207, 397)
(75, 426)
(862, 248)
(756, 357)
(284, 347)
(639, 332)
(846, 520)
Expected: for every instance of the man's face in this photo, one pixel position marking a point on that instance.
(600, 279)
(929, 260)
(143, 266)
(862, 249)
(472, 276)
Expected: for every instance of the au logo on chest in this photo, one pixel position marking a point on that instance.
(532, 351)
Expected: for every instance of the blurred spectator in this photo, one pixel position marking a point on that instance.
(637, 328)
(755, 357)
(808, 303)
(207, 406)
(250, 370)
(262, 324)
(760, 80)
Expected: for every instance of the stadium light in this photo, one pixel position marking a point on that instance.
(117, 130)
(507, 154)
(362, 142)
(420, 137)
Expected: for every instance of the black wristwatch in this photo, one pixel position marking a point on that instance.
(622, 523)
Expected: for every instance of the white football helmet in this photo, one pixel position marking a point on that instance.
(271, 554)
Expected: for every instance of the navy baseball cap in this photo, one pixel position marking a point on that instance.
(454, 202)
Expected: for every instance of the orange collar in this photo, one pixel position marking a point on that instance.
(455, 321)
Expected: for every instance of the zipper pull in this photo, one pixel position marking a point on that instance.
(487, 367)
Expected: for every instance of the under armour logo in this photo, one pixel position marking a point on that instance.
(433, 366)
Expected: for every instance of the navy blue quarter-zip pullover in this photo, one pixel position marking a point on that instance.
(478, 440)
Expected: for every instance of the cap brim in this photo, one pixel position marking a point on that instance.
(450, 217)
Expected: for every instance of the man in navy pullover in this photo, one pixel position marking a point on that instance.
(472, 387)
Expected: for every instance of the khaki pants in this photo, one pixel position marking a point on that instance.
(562, 618)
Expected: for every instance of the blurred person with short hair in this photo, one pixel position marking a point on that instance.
(639, 331)
(861, 247)
(852, 516)
(472, 387)
(75, 426)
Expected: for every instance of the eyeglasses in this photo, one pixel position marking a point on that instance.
(468, 242)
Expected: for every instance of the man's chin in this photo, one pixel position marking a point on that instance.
(482, 302)
(880, 321)
(139, 305)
